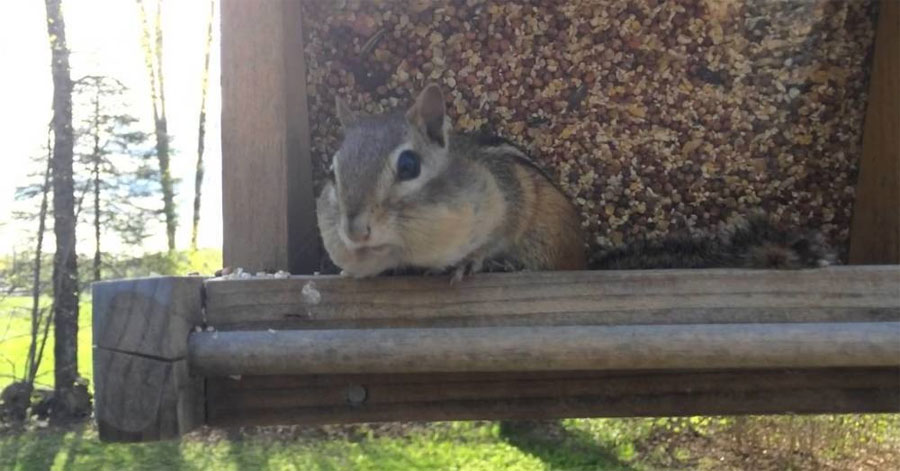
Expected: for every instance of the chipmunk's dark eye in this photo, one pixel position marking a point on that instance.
(408, 165)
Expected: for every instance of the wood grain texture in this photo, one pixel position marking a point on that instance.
(551, 348)
(268, 201)
(875, 233)
(142, 390)
(839, 294)
(324, 398)
(141, 399)
(147, 316)
(260, 392)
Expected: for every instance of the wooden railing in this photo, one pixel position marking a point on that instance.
(175, 353)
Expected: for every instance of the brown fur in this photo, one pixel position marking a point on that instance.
(548, 230)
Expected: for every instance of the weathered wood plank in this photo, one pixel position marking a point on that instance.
(595, 322)
(364, 398)
(655, 380)
(553, 348)
(147, 316)
(141, 385)
(805, 401)
(263, 392)
(140, 399)
(838, 294)
(875, 233)
(269, 206)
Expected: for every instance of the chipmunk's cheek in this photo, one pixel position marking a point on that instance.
(370, 261)
(385, 231)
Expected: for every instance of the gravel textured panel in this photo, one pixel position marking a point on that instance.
(655, 116)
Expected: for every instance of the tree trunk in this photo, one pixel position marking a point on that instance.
(65, 268)
(153, 60)
(31, 362)
(97, 256)
(95, 162)
(201, 132)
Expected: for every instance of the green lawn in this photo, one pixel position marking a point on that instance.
(762, 443)
(15, 331)
(456, 446)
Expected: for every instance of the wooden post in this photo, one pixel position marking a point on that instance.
(875, 234)
(142, 387)
(268, 202)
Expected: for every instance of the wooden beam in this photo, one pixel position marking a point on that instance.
(256, 400)
(142, 389)
(497, 346)
(672, 297)
(875, 233)
(268, 202)
(642, 347)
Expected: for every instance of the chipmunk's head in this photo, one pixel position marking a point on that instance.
(380, 170)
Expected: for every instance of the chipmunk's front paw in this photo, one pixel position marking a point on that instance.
(467, 267)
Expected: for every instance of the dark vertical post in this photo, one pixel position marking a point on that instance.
(875, 234)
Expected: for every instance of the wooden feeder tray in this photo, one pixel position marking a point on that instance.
(174, 353)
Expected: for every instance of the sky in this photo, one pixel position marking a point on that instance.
(104, 39)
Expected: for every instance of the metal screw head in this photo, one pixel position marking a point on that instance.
(356, 394)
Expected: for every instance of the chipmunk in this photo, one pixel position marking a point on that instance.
(408, 192)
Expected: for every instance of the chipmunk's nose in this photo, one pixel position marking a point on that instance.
(357, 228)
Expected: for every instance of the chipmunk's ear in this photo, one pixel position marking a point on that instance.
(344, 113)
(428, 115)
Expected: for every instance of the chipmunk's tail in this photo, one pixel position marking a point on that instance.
(754, 241)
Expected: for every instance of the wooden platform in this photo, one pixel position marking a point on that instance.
(174, 353)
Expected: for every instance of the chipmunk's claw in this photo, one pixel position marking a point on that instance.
(468, 267)
(458, 274)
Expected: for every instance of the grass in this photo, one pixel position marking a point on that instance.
(15, 337)
(460, 446)
(582, 445)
